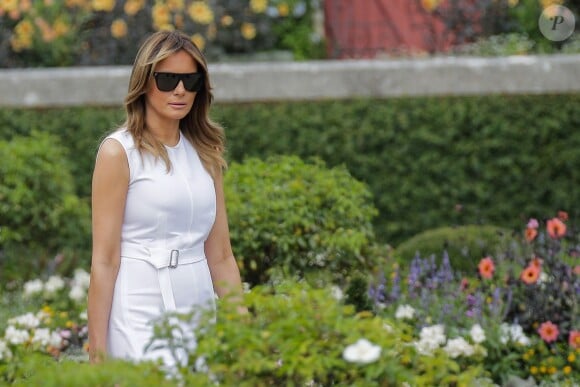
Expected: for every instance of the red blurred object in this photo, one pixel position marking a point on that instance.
(371, 28)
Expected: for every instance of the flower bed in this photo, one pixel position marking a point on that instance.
(515, 315)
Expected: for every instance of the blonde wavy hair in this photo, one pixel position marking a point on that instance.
(206, 136)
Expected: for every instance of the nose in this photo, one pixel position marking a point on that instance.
(180, 88)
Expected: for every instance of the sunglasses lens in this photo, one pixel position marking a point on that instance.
(166, 81)
(193, 82)
(169, 81)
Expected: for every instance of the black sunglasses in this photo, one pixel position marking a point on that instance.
(169, 81)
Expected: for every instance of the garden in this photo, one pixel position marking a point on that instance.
(404, 242)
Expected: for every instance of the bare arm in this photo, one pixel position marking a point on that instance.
(109, 193)
(218, 249)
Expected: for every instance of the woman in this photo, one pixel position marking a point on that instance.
(160, 232)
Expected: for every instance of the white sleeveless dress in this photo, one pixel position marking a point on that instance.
(168, 216)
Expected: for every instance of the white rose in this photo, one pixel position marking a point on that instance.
(477, 334)
(81, 278)
(404, 312)
(77, 293)
(336, 293)
(458, 347)
(41, 336)
(27, 320)
(33, 287)
(4, 351)
(54, 284)
(363, 351)
(16, 336)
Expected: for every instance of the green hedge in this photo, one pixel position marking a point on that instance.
(430, 162)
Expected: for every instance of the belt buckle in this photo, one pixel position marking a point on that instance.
(173, 255)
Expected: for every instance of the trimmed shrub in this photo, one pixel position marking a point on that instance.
(297, 216)
(466, 245)
(39, 211)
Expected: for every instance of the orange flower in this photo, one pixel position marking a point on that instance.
(486, 268)
(548, 332)
(530, 274)
(531, 234)
(574, 339)
(556, 228)
(563, 216)
(577, 269)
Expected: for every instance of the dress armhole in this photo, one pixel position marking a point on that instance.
(125, 151)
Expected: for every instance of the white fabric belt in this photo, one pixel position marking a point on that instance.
(161, 258)
(164, 260)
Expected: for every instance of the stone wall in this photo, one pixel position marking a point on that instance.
(279, 81)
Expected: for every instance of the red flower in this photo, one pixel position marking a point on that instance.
(537, 262)
(556, 228)
(548, 332)
(574, 339)
(530, 274)
(486, 268)
(531, 234)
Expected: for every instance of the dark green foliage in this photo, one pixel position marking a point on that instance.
(430, 162)
(39, 211)
(466, 245)
(298, 216)
(357, 293)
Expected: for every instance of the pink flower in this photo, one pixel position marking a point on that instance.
(533, 223)
(548, 331)
(486, 268)
(556, 228)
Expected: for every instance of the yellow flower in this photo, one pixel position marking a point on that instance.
(133, 6)
(248, 31)
(571, 358)
(547, 3)
(566, 370)
(61, 27)
(63, 314)
(8, 5)
(199, 41)
(513, 3)
(103, 5)
(430, 5)
(533, 370)
(118, 28)
(69, 324)
(283, 9)
(543, 369)
(161, 15)
(227, 20)
(175, 5)
(200, 12)
(552, 370)
(258, 6)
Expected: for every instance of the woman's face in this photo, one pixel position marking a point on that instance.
(166, 108)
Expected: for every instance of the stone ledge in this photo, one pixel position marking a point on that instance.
(286, 81)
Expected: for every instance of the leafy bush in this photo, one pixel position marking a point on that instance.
(464, 244)
(39, 211)
(298, 216)
(42, 371)
(299, 335)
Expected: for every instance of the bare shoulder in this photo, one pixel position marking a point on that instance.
(111, 149)
(112, 162)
